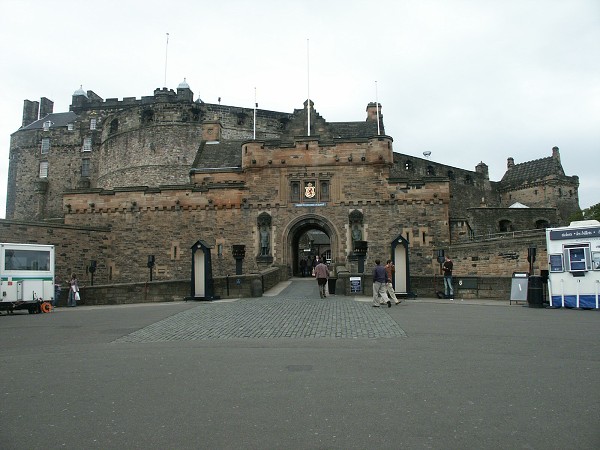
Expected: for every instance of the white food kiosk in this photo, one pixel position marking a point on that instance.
(574, 265)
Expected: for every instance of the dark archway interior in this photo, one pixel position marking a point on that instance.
(308, 239)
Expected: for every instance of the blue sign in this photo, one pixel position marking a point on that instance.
(297, 205)
(574, 233)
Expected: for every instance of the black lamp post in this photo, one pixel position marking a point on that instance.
(360, 250)
(92, 269)
(239, 252)
(150, 264)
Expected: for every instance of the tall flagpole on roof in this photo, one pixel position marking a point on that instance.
(377, 106)
(255, 106)
(166, 58)
(308, 83)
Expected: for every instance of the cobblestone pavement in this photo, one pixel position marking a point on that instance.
(295, 312)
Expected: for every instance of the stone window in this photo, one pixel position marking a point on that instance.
(451, 175)
(114, 126)
(45, 146)
(295, 191)
(408, 165)
(430, 170)
(47, 125)
(147, 116)
(505, 226)
(70, 127)
(93, 123)
(541, 224)
(87, 144)
(468, 179)
(324, 191)
(43, 169)
(85, 167)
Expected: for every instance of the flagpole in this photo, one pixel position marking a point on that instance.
(166, 58)
(255, 106)
(377, 106)
(308, 83)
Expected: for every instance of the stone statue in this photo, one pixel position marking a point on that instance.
(264, 241)
(356, 233)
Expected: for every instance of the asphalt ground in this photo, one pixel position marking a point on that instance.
(292, 371)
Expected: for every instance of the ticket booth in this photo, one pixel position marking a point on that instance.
(401, 279)
(202, 280)
(574, 265)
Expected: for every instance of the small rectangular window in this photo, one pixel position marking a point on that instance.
(85, 167)
(295, 191)
(45, 146)
(87, 144)
(43, 169)
(324, 191)
(93, 123)
(70, 127)
(47, 125)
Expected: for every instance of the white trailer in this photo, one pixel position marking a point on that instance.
(574, 265)
(26, 277)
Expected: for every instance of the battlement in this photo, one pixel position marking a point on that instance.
(82, 101)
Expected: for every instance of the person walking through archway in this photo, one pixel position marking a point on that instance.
(322, 275)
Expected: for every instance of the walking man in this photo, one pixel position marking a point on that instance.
(389, 287)
(447, 269)
(322, 274)
(379, 280)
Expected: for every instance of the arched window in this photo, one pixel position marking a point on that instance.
(451, 175)
(505, 225)
(430, 170)
(468, 179)
(541, 224)
(147, 116)
(114, 126)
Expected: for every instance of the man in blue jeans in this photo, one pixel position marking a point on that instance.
(379, 282)
(447, 269)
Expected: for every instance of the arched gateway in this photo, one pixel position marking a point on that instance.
(299, 227)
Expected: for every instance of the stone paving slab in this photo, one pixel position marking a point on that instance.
(270, 318)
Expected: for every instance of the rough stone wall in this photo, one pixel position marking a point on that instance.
(75, 247)
(30, 196)
(487, 220)
(497, 257)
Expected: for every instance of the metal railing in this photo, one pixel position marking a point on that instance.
(535, 233)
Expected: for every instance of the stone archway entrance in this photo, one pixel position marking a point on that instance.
(308, 236)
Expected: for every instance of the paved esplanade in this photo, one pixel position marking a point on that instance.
(290, 370)
(295, 313)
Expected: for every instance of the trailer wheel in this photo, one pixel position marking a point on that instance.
(46, 307)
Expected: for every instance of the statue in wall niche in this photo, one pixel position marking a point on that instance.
(264, 240)
(356, 221)
(264, 231)
(356, 233)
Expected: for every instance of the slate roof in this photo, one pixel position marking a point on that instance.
(353, 130)
(533, 170)
(57, 119)
(219, 155)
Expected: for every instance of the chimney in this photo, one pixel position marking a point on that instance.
(482, 168)
(30, 112)
(46, 107)
(556, 153)
(510, 162)
(372, 112)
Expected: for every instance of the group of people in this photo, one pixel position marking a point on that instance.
(308, 265)
(383, 289)
(73, 296)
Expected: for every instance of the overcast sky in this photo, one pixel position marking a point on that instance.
(468, 81)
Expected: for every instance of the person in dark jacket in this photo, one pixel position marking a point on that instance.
(379, 281)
